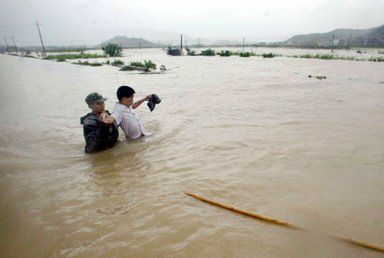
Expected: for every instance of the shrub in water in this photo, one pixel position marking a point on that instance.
(117, 63)
(112, 49)
(208, 52)
(225, 53)
(190, 52)
(245, 54)
(269, 55)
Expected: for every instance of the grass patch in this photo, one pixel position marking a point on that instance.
(376, 59)
(87, 63)
(208, 52)
(245, 54)
(268, 55)
(74, 56)
(66, 50)
(146, 66)
(190, 52)
(225, 53)
(117, 63)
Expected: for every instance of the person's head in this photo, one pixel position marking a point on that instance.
(95, 102)
(125, 95)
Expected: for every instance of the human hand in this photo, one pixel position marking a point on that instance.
(103, 117)
(148, 97)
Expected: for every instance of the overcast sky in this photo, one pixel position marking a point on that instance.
(88, 22)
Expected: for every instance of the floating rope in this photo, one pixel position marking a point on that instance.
(281, 223)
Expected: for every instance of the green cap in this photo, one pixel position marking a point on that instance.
(94, 97)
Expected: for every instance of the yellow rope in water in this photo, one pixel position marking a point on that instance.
(281, 223)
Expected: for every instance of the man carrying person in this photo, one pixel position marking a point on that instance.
(98, 134)
(124, 114)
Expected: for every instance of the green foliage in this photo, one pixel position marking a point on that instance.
(149, 65)
(376, 59)
(66, 50)
(225, 53)
(208, 52)
(318, 56)
(127, 68)
(190, 52)
(245, 54)
(87, 63)
(112, 49)
(146, 66)
(117, 63)
(73, 56)
(268, 55)
(136, 64)
(334, 57)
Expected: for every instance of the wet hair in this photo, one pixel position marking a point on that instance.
(124, 91)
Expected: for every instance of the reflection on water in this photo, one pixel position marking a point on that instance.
(251, 132)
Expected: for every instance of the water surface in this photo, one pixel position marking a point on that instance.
(251, 132)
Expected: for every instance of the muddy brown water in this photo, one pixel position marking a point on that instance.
(254, 133)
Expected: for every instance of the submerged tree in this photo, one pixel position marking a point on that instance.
(112, 49)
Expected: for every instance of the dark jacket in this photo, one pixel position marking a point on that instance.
(98, 136)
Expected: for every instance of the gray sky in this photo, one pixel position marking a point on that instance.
(75, 22)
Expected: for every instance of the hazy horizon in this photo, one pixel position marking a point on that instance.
(91, 22)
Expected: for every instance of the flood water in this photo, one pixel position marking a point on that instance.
(254, 133)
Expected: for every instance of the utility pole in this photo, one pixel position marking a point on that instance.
(15, 45)
(333, 39)
(243, 44)
(181, 43)
(6, 44)
(41, 39)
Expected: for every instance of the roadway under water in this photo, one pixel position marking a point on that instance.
(254, 133)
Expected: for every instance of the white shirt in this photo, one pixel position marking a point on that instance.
(129, 121)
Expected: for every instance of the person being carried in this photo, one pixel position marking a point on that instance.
(97, 134)
(124, 114)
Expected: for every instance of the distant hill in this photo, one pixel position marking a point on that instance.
(373, 37)
(126, 42)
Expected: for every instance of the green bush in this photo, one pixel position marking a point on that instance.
(208, 52)
(268, 55)
(127, 68)
(376, 59)
(190, 52)
(137, 64)
(149, 65)
(87, 63)
(112, 49)
(117, 63)
(225, 53)
(245, 54)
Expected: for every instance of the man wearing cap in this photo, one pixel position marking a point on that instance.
(124, 114)
(98, 135)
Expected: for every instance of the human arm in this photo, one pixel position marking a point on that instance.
(92, 134)
(139, 102)
(106, 118)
